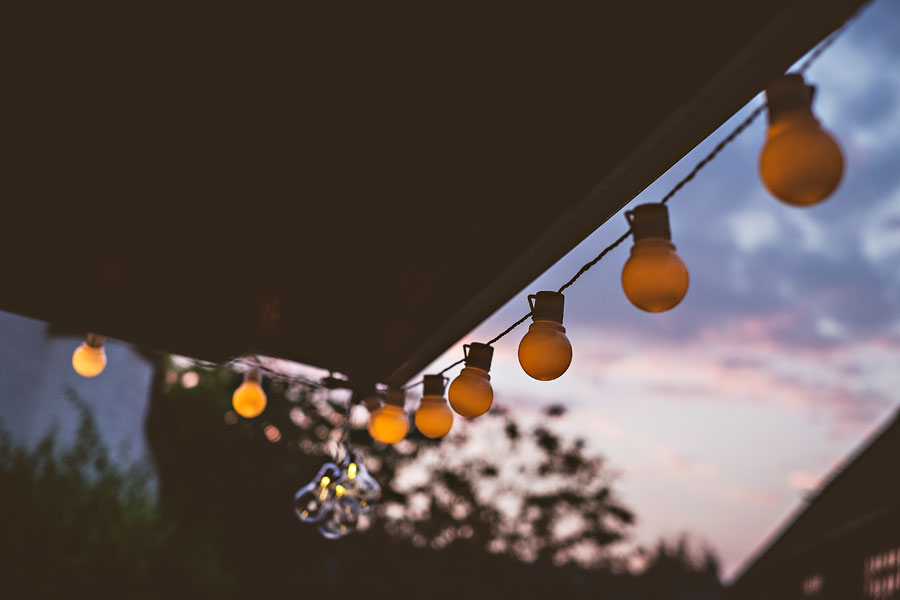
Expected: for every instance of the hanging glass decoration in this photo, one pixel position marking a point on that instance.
(338, 495)
(360, 488)
(313, 501)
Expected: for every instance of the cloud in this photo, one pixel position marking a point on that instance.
(697, 468)
(842, 384)
(753, 228)
(742, 495)
(803, 481)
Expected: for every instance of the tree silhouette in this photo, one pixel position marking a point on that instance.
(677, 571)
(76, 522)
(525, 493)
(501, 508)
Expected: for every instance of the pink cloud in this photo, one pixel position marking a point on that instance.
(682, 466)
(803, 481)
(836, 386)
(752, 497)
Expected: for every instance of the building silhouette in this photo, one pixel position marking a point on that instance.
(845, 544)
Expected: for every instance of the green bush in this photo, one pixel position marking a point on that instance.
(73, 521)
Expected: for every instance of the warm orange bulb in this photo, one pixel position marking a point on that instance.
(388, 424)
(654, 278)
(471, 394)
(545, 352)
(800, 164)
(89, 360)
(249, 400)
(434, 417)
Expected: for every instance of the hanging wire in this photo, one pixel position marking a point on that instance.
(828, 41)
(344, 439)
(754, 114)
(595, 260)
(459, 362)
(621, 239)
(740, 128)
(409, 386)
(255, 363)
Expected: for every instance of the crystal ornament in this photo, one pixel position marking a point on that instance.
(313, 502)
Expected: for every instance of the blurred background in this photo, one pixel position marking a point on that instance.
(163, 491)
(667, 456)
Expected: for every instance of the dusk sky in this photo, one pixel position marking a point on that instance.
(722, 414)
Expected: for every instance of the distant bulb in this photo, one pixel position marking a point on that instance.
(654, 278)
(434, 418)
(89, 359)
(801, 164)
(389, 424)
(545, 352)
(249, 399)
(471, 394)
(313, 501)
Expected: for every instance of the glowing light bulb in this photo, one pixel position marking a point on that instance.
(313, 501)
(359, 486)
(471, 393)
(249, 399)
(800, 164)
(89, 359)
(388, 424)
(545, 352)
(654, 278)
(434, 417)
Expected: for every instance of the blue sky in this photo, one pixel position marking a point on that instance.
(721, 415)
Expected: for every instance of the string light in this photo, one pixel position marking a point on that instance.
(545, 352)
(654, 278)
(89, 359)
(388, 423)
(805, 177)
(434, 417)
(800, 164)
(664, 253)
(471, 394)
(249, 399)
